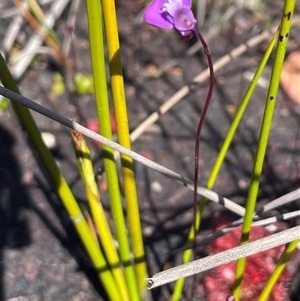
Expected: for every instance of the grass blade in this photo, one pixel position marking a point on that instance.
(87, 174)
(62, 187)
(264, 137)
(94, 12)
(118, 92)
(221, 156)
(278, 270)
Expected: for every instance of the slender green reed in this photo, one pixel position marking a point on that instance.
(278, 270)
(118, 92)
(86, 171)
(61, 187)
(94, 13)
(264, 137)
(221, 156)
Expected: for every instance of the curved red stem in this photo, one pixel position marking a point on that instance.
(199, 129)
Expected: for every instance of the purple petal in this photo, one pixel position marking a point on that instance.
(186, 35)
(187, 3)
(155, 16)
(174, 6)
(184, 19)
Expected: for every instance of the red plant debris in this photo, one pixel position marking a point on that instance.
(218, 282)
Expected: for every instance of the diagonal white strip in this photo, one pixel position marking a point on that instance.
(209, 194)
(227, 256)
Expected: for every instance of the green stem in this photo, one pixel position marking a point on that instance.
(118, 92)
(94, 12)
(62, 187)
(85, 166)
(264, 137)
(221, 155)
(278, 270)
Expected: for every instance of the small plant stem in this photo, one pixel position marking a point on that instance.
(85, 166)
(199, 129)
(264, 137)
(239, 114)
(62, 188)
(186, 256)
(278, 270)
(196, 221)
(119, 99)
(200, 78)
(95, 19)
(222, 153)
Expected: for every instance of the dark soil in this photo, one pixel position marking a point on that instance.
(41, 257)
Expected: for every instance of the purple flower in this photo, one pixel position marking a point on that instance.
(170, 14)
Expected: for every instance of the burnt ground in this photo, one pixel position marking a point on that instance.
(41, 256)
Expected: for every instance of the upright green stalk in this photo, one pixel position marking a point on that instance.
(239, 114)
(94, 12)
(264, 137)
(85, 166)
(278, 270)
(62, 188)
(118, 91)
(221, 156)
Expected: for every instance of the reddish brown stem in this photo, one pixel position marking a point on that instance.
(199, 129)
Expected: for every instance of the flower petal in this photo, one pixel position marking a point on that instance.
(184, 19)
(155, 16)
(186, 35)
(187, 3)
(174, 6)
